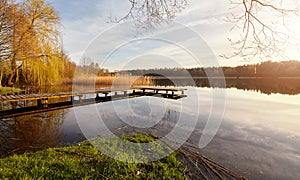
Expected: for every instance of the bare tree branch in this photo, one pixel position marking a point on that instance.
(264, 31)
(260, 23)
(148, 13)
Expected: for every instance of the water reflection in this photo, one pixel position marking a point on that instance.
(263, 85)
(32, 132)
(107, 117)
(259, 136)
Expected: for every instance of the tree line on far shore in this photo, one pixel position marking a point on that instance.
(264, 69)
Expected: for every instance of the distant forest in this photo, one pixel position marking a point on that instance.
(264, 69)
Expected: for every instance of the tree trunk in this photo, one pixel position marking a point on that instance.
(1, 76)
(14, 69)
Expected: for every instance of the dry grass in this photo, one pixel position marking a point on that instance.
(110, 81)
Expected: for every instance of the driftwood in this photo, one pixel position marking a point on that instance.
(201, 167)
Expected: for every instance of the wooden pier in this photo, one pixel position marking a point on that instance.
(42, 103)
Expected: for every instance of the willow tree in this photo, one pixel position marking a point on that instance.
(44, 70)
(260, 23)
(33, 40)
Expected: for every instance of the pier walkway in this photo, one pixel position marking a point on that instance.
(42, 102)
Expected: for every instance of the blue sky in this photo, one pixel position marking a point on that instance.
(197, 37)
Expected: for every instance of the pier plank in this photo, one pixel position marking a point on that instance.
(17, 97)
(3, 97)
(7, 97)
(30, 95)
(149, 90)
(14, 97)
(22, 96)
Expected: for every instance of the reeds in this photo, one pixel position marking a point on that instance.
(124, 80)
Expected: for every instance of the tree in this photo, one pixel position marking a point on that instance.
(259, 36)
(37, 36)
(30, 39)
(5, 29)
(5, 36)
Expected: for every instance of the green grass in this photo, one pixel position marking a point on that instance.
(140, 138)
(8, 90)
(84, 161)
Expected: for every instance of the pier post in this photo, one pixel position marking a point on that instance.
(42, 103)
(14, 104)
(45, 103)
(39, 103)
(97, 97)
(105, 95)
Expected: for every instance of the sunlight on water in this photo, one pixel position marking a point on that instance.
(259, 136)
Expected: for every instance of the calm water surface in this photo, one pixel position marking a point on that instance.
(259, 136)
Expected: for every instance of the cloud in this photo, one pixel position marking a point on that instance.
(84, 22)
(88, 33)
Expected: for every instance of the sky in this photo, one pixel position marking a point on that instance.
(197, 36)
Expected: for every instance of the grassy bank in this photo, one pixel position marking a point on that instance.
(84, 161)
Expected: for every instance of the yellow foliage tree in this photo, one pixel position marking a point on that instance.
(33, 42)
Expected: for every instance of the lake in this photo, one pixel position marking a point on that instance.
(259, 136)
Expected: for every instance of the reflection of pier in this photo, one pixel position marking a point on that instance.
(43, 101)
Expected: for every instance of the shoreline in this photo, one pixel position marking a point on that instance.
(184, 163)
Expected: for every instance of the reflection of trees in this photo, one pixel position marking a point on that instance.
(163, 82)
(5, 130)
(32, 132)
(264, 85)
(267, 86)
